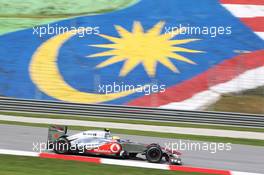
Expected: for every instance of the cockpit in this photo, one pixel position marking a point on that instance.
(106, 134)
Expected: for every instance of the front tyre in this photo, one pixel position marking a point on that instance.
(62, 146)
(154, 154)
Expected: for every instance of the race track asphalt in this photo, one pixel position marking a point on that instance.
(239, 158)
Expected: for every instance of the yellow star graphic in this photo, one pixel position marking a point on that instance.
(147, 48)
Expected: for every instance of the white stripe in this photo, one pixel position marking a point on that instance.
(132, 163)
(139, 127)
(243, 173)
(245, 11)
(199, 101)
(260, 34)
(248, 80)
(18, 153)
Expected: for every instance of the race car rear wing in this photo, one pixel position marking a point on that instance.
(55, 132)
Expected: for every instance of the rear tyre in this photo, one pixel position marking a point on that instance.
(154, 153)
(62, 146)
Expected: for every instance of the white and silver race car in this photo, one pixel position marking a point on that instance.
(102, 143)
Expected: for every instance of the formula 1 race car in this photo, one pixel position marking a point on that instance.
(102, 143)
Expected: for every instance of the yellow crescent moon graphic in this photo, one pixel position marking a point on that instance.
(45, 74)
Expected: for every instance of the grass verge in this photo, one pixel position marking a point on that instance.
(17, 15)
(250, 101)
(87, 118)
(20, 165)
(156, 134)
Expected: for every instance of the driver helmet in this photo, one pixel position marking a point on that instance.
(117, 138)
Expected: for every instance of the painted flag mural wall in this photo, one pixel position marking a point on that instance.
(173, 54)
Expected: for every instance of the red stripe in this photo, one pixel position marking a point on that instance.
(220, 73)
(97, 160)
(198, 170)
(256, 24)
(70, 157)
(248, 2)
